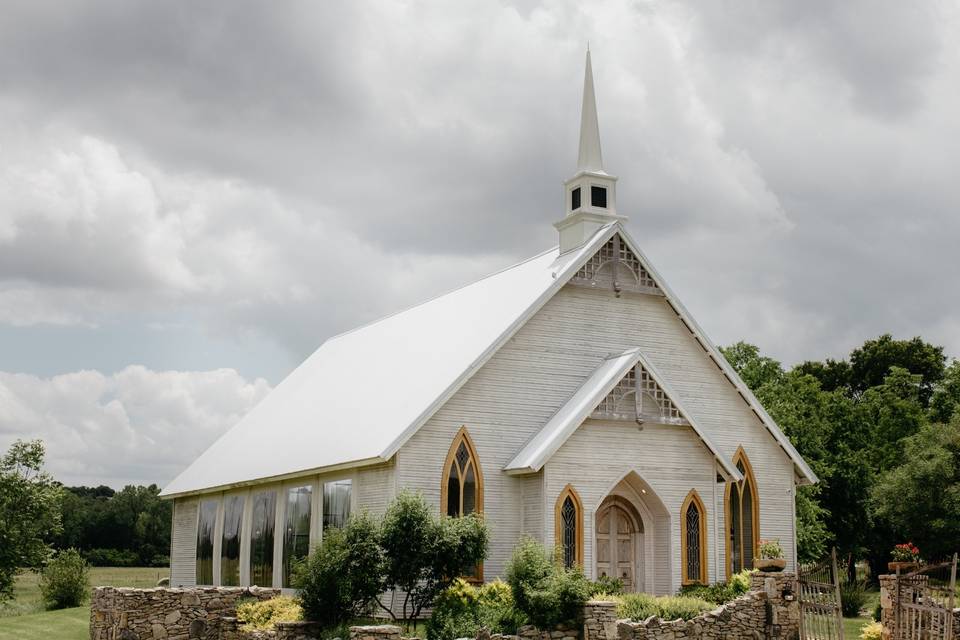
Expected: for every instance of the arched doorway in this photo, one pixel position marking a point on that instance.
(620, 543)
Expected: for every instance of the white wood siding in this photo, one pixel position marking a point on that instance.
(528, 379)
(183, 543)
(532, 523)
(376, 486)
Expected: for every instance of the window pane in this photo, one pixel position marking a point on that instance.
(748, 525)
(598, 196)
(261, 538)
(230, 546)
(733, 521)
(296, 533)
(568, 515)
(693, 542)
(453, 491)
(575, 199)
(469, 492)
(206, 522)
(336, 503)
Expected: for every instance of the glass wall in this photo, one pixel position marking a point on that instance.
(296, 530)
(261, 538)
(336, 503)
(230, 546)
(206, 522)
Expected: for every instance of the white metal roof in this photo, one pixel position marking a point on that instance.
(581, 404)
(363, 393)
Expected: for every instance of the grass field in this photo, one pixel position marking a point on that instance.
(25, 619)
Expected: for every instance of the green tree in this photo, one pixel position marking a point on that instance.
(871, 363)
(946, 397)
(888, 413)
(920, 499)
(424, 553)
(29, 512)
(755, 370)
(832, 374)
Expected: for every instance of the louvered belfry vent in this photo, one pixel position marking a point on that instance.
(638, 397)
(615, 266)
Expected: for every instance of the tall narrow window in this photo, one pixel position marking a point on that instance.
(336, 503)
(296, 531)
(743, 517)
(461, 491)
(598, 197)
(230, 543)
(261, 538)
(206, 522)
(568, 527)
(693, 539)
(575, 199)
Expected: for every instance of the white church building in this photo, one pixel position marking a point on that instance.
(570, 398)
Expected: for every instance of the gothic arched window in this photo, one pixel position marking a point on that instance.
(693, 539)
(568, 525)
(461, 491)
(743, 517)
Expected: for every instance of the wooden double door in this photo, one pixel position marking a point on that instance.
(619, 531)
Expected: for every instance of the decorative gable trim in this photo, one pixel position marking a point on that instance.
(638, 397)
(617, 267)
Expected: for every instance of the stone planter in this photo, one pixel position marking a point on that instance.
(894, 567)
(769, 564)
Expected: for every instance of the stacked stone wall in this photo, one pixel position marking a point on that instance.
(166, 614)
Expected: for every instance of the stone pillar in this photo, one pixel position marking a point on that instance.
(783, 608)
(888, 595)
(600, 620)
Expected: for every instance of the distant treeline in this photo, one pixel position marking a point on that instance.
(125, 528)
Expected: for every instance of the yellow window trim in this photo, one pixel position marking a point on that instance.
(693, 498)
(463, 436)
(749, 481)
(569, 491)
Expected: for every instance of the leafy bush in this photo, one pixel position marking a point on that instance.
(871, 631)
(544, 591)
(605, 585)
(264, 614)
(461, 609)
(877, 612)
(341, 579)
(853, 595)
(113, 558)
(65, 581)
(771, 549)
(640, 606)
(720, 592)
(424, 554)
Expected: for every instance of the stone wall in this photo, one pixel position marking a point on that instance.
(166, 614)
(230, 630)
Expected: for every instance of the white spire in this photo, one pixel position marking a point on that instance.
(591, 159)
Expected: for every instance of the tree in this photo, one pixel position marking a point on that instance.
(920, 499)
(888, 413)
(424, 553)
(755, 369)
(946, 397)
(871, 363)
(29, 512)
(832, 374)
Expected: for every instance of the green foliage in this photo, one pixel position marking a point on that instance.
(873, 362)
(871, 631)
(812, 533)
(341, 579)
(65, 581)
(920, 500)
(770, 549)
(640, 606)
(720, 592)
(946, 396)
(877, 612)
(606, 585)
(424, 554)
(29, 512)
(462, 609)
(258, 615)
(853, 595)
(112, 558)
(544, 591)
(754, 369)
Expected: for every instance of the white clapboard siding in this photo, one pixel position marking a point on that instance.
(513, 395)
(376, 486)
(183, 543)
(532, 523)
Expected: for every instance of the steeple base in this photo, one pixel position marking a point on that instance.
(578, 227)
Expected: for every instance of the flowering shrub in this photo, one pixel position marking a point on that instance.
(264, 614)
(871, 631)
(906, 552)
(770, 549)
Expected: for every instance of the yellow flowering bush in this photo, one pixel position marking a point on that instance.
(264, 614)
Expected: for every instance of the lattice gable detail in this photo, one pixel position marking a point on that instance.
(638, 397)
(616, 266)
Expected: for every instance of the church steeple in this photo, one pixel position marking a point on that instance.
(590, 195)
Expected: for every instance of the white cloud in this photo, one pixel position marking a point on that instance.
(135, 426)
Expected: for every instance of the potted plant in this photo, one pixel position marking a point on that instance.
(905, 556)
(771, 556)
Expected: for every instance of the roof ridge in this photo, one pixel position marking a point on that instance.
(438, 296)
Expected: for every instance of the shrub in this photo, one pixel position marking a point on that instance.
(640, 606)
(605, 585)
(112, 558)
(341, 579)
(771, 549)
(877, 612)
(543, 590)
(424, 554)
(461, 609)
(65, 581)
(853, 596)
(720, 592)
(264, 614)
(740, 582)
(871, 631)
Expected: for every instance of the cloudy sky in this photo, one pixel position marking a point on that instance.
(193, 197)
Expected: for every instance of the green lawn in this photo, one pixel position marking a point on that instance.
(25, 619)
